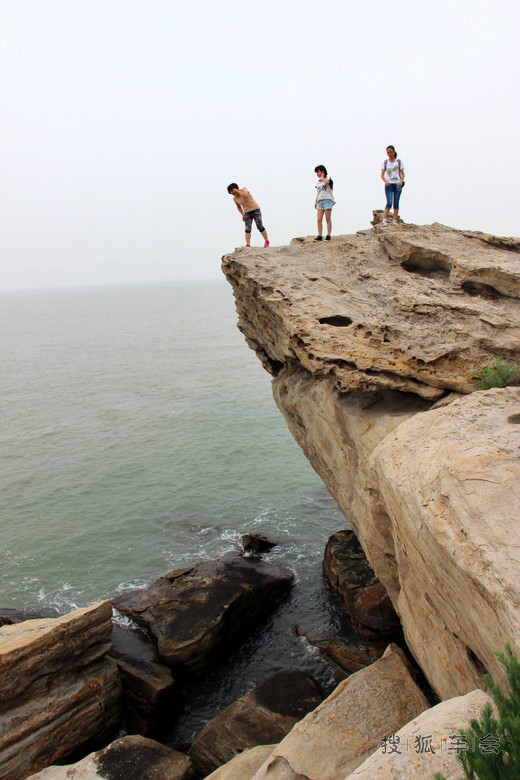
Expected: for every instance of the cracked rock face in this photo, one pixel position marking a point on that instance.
(363, 337)
(414, 308)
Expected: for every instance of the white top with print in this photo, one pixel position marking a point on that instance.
(392, 170)
(324, 191)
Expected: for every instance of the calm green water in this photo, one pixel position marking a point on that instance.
(138, 432)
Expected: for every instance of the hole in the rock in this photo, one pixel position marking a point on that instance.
(337, 320)
(477, 663)
(514, 418)
(484, 290)
(427, 264)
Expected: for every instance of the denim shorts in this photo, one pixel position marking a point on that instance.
(325, 204)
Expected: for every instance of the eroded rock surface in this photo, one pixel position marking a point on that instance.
(364, 338)
(197, 612)
(58, 689)
(414, 308)
(261, 717)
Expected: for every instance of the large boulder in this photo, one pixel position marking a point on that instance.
(129, 758)
(58, 688)
(352, 580)
(449, 482)
(349, 725)
(198, 612)
(261, 717)
(428, 744)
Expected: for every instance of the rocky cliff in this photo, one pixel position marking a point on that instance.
(372, 341)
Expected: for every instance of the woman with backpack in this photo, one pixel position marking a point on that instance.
(392, 174)
(324, 201)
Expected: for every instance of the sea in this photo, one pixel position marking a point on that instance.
(138, 434)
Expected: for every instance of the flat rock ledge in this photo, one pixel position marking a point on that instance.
(196, 613)
(372, 343)
(417, 309)
(58, 689)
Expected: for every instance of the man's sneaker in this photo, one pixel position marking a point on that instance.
(266, 243)
(394, 222)
(327, 238)
(318, 238)
(384, 223)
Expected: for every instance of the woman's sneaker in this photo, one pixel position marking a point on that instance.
(318, 238)
(266, 243)
(327, 238)
(384, 223)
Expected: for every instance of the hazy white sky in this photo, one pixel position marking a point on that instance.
(123, 121)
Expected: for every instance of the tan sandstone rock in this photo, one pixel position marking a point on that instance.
(449, 481)
(426, 745)
(58, 689)
(341, 732)
(243, 766)
(129, 758)
(415, 308)
(361, 337)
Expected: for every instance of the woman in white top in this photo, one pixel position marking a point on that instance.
(392, 174)
(324, 201)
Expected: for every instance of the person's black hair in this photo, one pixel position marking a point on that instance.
(232, 186)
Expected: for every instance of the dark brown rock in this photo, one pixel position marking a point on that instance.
(148, 686)
(352, 580)
(349, 658)
(257, 543)
(198, 612)
(262, 717)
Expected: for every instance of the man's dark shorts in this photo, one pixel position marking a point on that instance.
(255, 215)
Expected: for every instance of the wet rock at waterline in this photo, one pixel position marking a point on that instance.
(353, 581)
(148, 686)
(198, 612)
